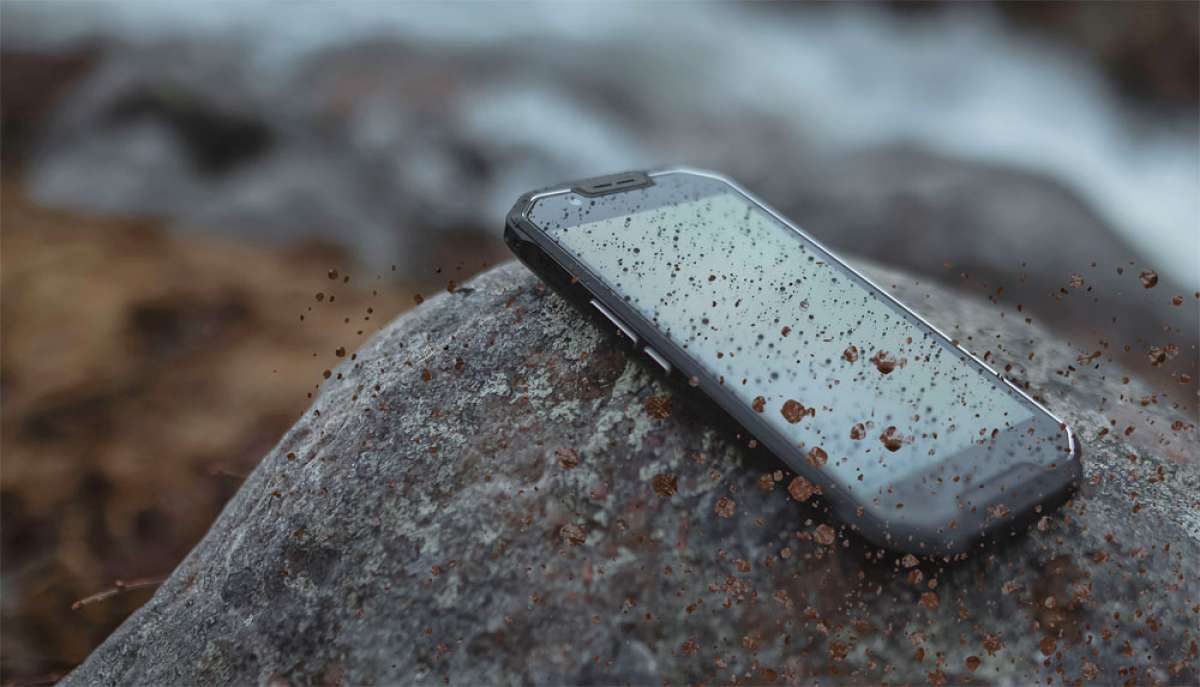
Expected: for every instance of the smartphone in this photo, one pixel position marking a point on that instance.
(911, 440)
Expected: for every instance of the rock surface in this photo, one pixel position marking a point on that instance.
(495, 492)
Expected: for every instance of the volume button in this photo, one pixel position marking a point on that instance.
(613, 318)
(658, 358)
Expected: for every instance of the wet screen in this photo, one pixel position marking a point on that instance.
(864, 396)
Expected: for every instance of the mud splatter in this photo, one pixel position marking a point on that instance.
(891, 440)
(568, 458)
(725, 507)
(850, 355)
(665, 484)
(794, 411)
(802, 490)
(658, 407)
(825, 535)
(884, 362)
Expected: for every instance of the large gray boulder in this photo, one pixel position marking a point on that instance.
(495, 492)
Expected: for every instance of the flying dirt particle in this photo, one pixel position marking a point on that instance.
(1161, 354)
(1177, 301)
(758, 404)
(1087, 359)
(793, 411)
(572, 534)
(891, 440)
(567, 458)
(712, 277)
(998, 511)
(858, 431)
(850, 355)
(991, 644)
(817, 456)
(658, 407)
(665, 484)
(909, 561)
(333, 274)
(802, 490)
(1076, 281)
(725, 507)
(451, 286)
(689, 647)
(320, 296)
(972, 663)
(825, 535)
(340, 352)
(418, 298)
(1185, 378)
(1149, 279)
(1047, 645)
(785, 331)
(326, 374)
(930, 600)
(1089, 671)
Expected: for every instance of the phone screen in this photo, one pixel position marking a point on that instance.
(840, 372)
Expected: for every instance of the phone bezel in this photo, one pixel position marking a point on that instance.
(1050, 484)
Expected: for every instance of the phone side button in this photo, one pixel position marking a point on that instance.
(657, 357)
(613, 318)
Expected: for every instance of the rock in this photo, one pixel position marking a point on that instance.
(496, 492)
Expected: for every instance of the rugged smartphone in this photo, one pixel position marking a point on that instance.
(911, 440)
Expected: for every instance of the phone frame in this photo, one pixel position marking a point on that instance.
(564, 272)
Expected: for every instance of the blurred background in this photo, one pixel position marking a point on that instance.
(207, 206)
